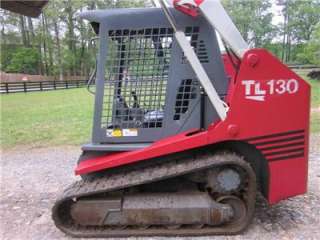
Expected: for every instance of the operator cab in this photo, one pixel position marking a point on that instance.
(145, 88)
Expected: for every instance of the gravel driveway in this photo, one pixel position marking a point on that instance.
(32, 178)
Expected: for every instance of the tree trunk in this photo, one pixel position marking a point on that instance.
(284, 39)
(44, 40)
(56, 30)
(3, 35)
(23, 31)
(71, 40)
(82, 70)
(31, 31)
(40, 66)
(285, 24)
(33, 43)
(288, 51)
(49, 44)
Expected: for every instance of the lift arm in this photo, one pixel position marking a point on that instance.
(218, 18)
(198, 69)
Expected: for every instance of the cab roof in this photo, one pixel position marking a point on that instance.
(100, 16)
(27, 8)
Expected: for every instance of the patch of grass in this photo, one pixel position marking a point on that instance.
(65, 117)
(315, 121)
(46, 118)
(315, 88)
(315, 100)
(315, 93)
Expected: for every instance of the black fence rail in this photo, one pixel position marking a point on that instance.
(15, 87)
(303, 66)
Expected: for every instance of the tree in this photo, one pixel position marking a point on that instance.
(24, 60)
(300, 19)
(311, 53)
(60, 37)
(31, 30)
(23, 30)
(253, 19)
(304, 15)
(55, 19)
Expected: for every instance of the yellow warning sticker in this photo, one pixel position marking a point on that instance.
(114, 133)
(127, 132)
(117, 133)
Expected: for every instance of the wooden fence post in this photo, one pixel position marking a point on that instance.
(54, 85)
(7, 87)
(67, 86)
(24, 86)
(40, 86)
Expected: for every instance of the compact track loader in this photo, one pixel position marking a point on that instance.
(184, 135)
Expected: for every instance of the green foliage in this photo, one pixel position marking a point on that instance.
(6, 55)
(253, 19)
(275, 48)
(23, 60)
(302, 18)
(64, 38)
(311, 53)
(129, 3)
(69, 58)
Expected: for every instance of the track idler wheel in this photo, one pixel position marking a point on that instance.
(238, 207)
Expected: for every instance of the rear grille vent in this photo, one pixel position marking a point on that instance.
(186, 92)
(202, 52)
(198, 45)
(280, 146)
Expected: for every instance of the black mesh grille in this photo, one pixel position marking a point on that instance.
(186, 92)
(136, 78)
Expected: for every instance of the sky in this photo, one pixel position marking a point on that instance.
(276, 10)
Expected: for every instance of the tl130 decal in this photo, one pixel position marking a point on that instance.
(254, 90)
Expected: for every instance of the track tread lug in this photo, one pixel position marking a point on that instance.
(160, 171)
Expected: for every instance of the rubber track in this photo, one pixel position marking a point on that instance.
(160, 171)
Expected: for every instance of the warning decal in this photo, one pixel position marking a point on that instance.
(127, 132)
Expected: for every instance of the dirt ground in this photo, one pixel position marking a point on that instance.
(31, 179)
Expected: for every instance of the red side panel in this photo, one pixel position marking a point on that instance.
(169, 145)
(287, 179)
(269, 108)
(271, 103)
